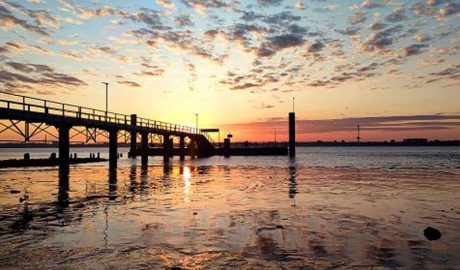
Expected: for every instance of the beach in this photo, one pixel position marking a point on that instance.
(248, 214)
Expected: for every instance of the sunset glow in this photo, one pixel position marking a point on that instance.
(390, 66)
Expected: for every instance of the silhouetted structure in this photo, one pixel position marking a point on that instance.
(415, 141)
(292, 134)
(65, 116)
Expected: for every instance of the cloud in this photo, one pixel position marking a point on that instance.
(166, 3)
(264, 106)
(379, 123)
(21, 67)
(43, 18)
(358, 17)
(370, 4)
(397, 15)
(380, 40)
(317, 46)
(103, 49)
(202, 5)
(285, 41)
(350, 31)
(183, 20)
(299, 5)
(450, 8)
(286, 46)
(8, 20)
(245, 86)
(278, 43)
(72, 54)
(150, 70)
(450, 73)
(35, 76)
(12, 47)
(377, 26)
(422, 38)
(269, 2)
(129, 83)
(413, 49)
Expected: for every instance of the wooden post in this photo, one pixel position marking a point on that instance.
(292, 134)
(227, 147)
(64, 148)
(113, 155)
(144, 147)
(182, 147)
(133, 146)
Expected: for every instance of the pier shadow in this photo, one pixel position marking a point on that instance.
(63, 190)
(132, 178)
(292, 176)
(144, 178)
(113, 184)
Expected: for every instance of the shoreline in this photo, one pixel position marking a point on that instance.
(298, 144)
(45, 162)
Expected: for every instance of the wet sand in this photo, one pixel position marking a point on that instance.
(245, 217)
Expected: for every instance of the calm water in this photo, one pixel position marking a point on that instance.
(346, 208)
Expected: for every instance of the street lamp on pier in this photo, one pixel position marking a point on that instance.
(106, 96)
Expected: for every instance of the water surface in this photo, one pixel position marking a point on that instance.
(328, 208)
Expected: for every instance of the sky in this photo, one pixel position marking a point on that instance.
(390, 66)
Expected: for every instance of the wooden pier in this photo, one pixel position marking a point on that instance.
(37, 115)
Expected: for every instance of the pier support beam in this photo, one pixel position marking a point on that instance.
(64, 148)
(133, 145)
(144, 147)
(182, 147)
(166, 148)
(113, 153)
(63, 191)
(227, 147)
(192, 148)
(292, 134)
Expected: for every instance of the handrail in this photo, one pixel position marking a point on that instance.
(29, 104)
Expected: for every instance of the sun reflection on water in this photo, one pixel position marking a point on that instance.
(187, 175)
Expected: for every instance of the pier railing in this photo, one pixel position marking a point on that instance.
(48, 107)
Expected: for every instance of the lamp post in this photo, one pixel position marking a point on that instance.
(106, 96)
(196, 122)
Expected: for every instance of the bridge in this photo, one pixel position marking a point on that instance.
(38, 115)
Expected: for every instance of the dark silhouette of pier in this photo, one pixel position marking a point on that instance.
(37, 112)
(40, 114)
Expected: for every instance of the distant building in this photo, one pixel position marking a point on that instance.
(415, 141)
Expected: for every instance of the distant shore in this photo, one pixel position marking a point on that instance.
(298, 144)
(385, 143)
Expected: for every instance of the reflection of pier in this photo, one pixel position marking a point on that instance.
(292, 183)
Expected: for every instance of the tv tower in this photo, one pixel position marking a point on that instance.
(358, 137)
